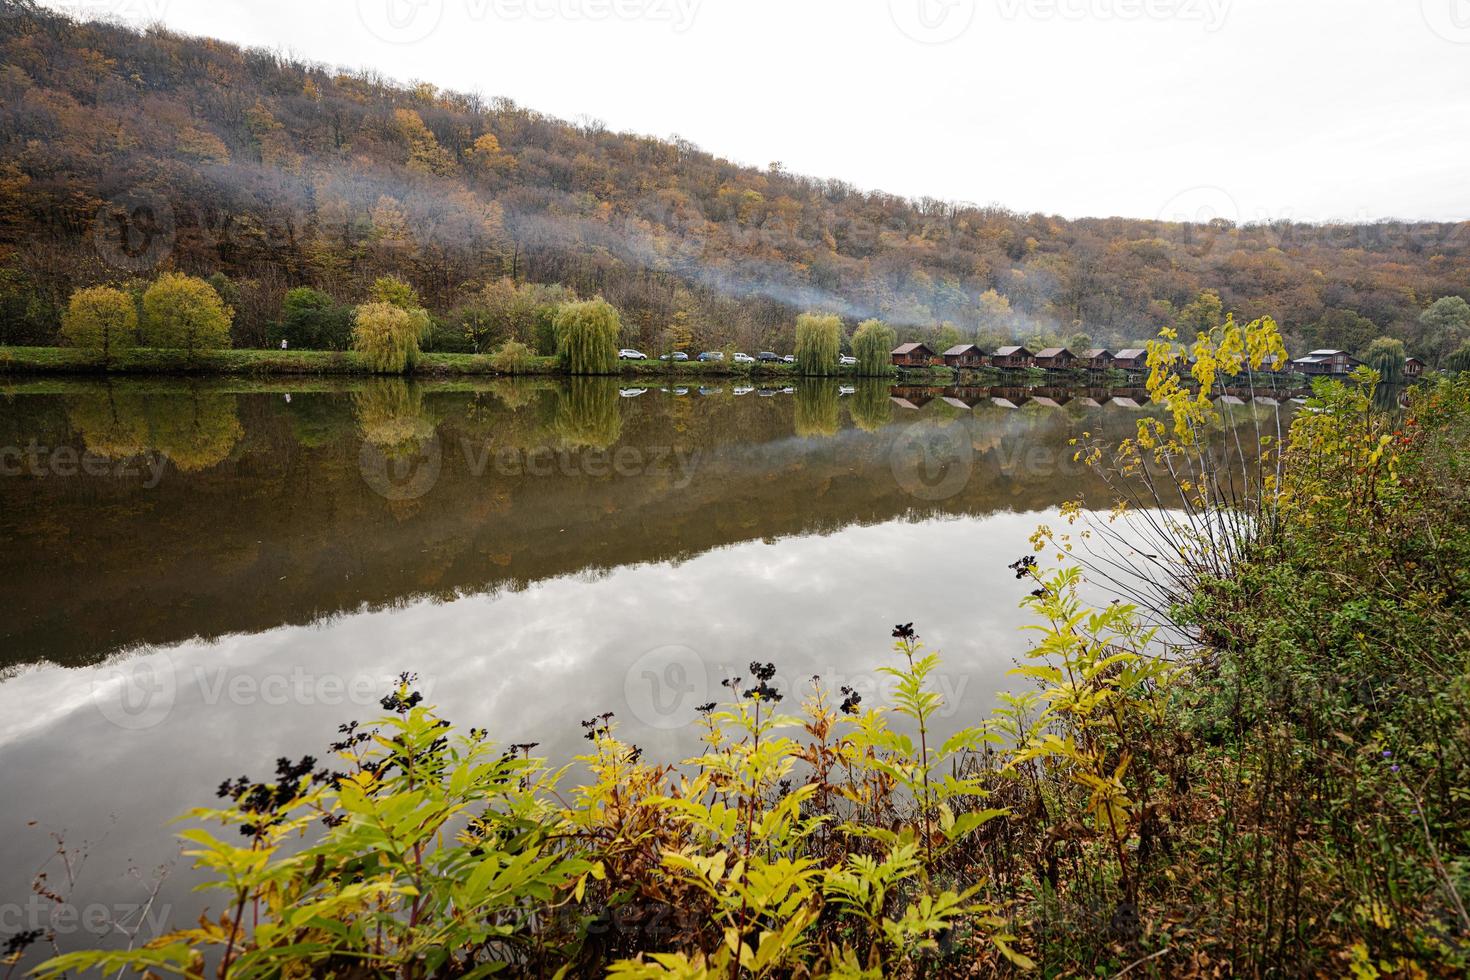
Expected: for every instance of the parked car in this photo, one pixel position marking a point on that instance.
(629, 354)
(847, 359)
(743, 359)
(766, 355)
(789, 358)
(712, 355)
(677, 355)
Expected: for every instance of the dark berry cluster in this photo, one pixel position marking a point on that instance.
(601, 725)
(265, 800)
(21, 940)
(1023, 566)
(400, 702)
(850, 701)
(763, 691)
(705, 708)
(904, 631)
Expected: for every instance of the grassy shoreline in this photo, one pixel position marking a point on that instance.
(257, 362)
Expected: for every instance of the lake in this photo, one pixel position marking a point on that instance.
(200, 577)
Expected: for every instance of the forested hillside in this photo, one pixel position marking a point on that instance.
(123, 154)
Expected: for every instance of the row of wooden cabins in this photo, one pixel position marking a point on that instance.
(1132, 359)
(970, 356)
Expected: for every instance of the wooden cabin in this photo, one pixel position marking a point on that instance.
(1097, 359)
(1414, 368)
(964, 356)
(912, 355)
(1055, 359)
(1011, 357)
(1325, 362)
(1131, 359)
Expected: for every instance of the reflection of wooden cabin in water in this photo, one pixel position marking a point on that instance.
(914, 398)
(1055, 359)
(1229, 398)
(1051, 397)
(1097, 359)
(1414, 368)
(1129, 397)
(1093, 397)
(964, 356)
(965, 397)
(1011, 358)
(1010, 397)
(912, 355)
(1131, 359)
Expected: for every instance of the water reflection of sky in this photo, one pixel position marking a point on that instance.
(647, 642)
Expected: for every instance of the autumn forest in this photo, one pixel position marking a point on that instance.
(126, 154)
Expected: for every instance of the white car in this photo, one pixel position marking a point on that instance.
(847, 359)
(743, 359)
(628, 354)
(789, 358)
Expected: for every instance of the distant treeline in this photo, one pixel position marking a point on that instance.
(127, 154)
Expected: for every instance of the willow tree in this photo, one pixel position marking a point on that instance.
(185, 313)
(818, 342)
(387, 337)
(587, 337)
(1386, 356)
(100, 319)
(873, 345)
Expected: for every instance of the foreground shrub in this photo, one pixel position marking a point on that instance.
(102, 320)
(587, 337)
(818, 343)
(873, 345)
(513, 357)
(185, 313)
(311, 319)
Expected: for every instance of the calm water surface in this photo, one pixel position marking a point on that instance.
(200, 577)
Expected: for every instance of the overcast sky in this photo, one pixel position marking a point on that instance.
(1185, 109)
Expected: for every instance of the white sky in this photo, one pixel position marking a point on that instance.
(1185, 109)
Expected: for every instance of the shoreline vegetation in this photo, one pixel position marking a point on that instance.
(1254, 762)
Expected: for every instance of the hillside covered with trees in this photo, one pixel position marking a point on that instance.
(125, 155)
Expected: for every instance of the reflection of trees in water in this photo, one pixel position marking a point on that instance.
(391, 415)
(816, 409)
(514, 393)
(870, 406)
(112, 423)
(195, 429)
(588, 414)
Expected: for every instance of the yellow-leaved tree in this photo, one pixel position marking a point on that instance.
(182, 312)
(100, 319)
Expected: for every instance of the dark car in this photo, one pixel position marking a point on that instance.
(766, 355)
(712, 355)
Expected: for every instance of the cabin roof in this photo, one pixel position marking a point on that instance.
(1054, 352)
(909, 348)
(1129, 353)
(962, 349)
(1325, 353)
(1097, 352)
(1010, 351)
